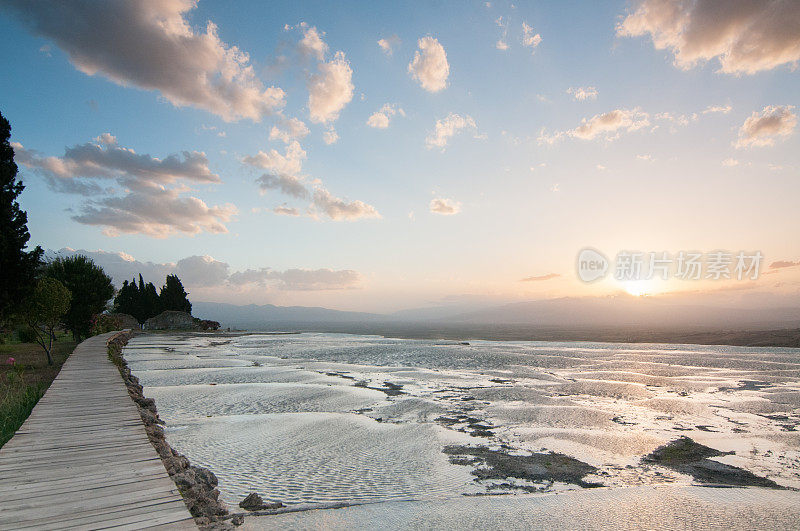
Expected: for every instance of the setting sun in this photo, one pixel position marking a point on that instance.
(640, 288)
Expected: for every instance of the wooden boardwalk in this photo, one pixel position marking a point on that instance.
(82, 460)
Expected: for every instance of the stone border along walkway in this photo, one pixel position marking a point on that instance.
(83, 460)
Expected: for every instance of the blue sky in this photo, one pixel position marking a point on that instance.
(673, 179)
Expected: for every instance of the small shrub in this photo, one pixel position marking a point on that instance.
(206, 324)
(103, 322)
(26, 335)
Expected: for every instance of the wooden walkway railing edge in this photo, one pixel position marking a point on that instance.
(82, 460)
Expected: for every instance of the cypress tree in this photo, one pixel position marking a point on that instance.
(17, 266)
(173, 296)
(150, 302)
(125, 301)
(141, 301)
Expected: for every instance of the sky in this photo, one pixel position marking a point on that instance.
(380, 156)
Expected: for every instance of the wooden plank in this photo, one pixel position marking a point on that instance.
(72, 462)
(104, 518)
(75, 486)
(82, 460)
(121, 494)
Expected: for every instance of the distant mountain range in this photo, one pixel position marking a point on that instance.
(567, 313)
(257, 317)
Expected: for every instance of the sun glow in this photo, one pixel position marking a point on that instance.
(640, 288)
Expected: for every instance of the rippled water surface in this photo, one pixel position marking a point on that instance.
(331, 418)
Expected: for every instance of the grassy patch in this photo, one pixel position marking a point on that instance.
(689, 457)
(535, 467)
(24, 382)
(681, 451)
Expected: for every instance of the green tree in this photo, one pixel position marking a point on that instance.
(136, 305)
(141, 301)
(43, 309)
(151, 305)
(17, 266)
(91, 289)
(173, 296)
(126, 298)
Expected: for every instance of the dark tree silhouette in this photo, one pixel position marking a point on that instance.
(151, 305)
(127, 298)
(91, 289)
(17, 266)
(173, 296)
(141, 301)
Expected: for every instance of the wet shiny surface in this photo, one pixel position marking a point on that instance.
(329, 418)
(630, 508)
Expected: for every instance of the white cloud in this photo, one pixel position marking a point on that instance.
(502, 43)
(546, 138)
(104, 159)
(288, 130)
(389, 44)
(298, 279)
(762, 129)
(444, 206)
(746, 36)
(679, 119)
(730, 162)
(330, 136)
(285, 176)
(152, 46)
(380, 118)
(284, 170)
(155, 212)
(446, 128)
(289, 163)
(429, 65)
(529, 38)
(721, 109)
(583, 93)
(106, 138)
(290, 185)
(147, 204)
(121, 266)
(341, 210)
(608, 126)
(205, 273)
(283, 210)
(312, 44)
(330, 89)
(541, 278)
(201, 271)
